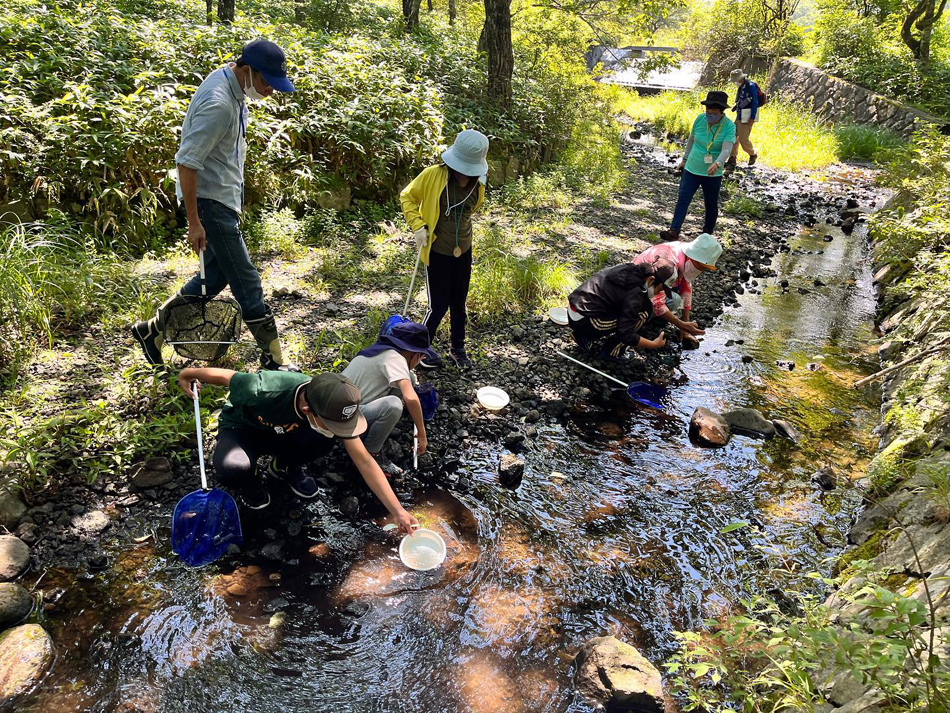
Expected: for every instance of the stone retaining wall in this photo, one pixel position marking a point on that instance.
(834, 99)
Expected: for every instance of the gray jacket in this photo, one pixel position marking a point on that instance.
(213, 139)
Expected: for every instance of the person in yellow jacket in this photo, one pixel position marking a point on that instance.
(438, 206)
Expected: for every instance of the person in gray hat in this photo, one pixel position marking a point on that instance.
(296, 419)
(438, 206)
(747, 113)
(210, 162)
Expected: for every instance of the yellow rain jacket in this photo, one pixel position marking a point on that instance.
(420, 201)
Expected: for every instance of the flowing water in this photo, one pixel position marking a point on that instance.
(616, 529)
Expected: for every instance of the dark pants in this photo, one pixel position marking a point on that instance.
(689, 184)
(237, 451)
(447, 281)
(586, 331)
(227, 262)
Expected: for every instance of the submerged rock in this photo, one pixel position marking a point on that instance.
(615, 675)
(749, 422)
(14, 557)
(25, 653)
(510, 470)
(825, 478)
(708, 428)
(786, 430)
(15, 604)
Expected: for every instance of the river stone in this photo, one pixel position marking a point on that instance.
(510, 470)
(708, 428)
(92, 523)
(25, 653)
(152, 472)
(15, 604)
(11, 506)
(786, 430)
(615, 675)
(14, 557)
(749, 421)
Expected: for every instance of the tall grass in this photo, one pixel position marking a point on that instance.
(786, 136)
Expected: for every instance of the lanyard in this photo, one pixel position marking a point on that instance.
(713, 140)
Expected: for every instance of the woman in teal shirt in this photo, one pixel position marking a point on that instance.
(709, 146)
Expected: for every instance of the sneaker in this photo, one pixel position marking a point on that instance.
(624, 358)
(146, 334)
(731, 164)
(461, 359)
(390, 469)
(433, 362)
(254, 497)
(584, 343)
(668, 236)
(268, 364)
(299, 482)
(752, 159)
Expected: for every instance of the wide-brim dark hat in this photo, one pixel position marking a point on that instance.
(720, 99)
(410, 337)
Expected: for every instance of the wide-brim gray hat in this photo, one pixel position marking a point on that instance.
(468, 154)
(736, 74)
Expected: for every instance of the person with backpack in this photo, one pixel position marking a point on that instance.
(710, 143)
(438, 206)
(749, 99)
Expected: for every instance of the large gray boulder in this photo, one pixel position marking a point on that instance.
(615, 675)
(708, 428)
(14, 557)
(11, 506)
(25, 654)
(15, 604)
(749, 422)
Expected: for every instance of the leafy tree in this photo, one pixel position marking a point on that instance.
(918, 26)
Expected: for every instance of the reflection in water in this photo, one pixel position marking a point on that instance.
(616, 529)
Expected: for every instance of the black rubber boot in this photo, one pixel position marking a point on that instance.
(149, 337)
(265, 334)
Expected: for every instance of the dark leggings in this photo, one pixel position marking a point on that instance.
(585, 331)
(237, 451)
(689, 184)
(447, 281)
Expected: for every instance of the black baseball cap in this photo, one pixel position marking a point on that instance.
(664, 272)
(336, 400)
(268, 59)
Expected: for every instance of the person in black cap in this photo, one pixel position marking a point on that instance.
(383, 374)
(709, 146)
(210, 163)
(615, 304)
(296, 420)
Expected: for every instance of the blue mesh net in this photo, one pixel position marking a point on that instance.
(205, 523)
(647, 394)
(428, 398)
(388, 325)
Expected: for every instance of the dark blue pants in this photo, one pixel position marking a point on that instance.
(227, 262)
(689, 184)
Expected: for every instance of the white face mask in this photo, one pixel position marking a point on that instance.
(250, 91)
(690, 272)
(322, 431)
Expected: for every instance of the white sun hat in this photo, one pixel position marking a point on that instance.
(705, 249)
(467, 154)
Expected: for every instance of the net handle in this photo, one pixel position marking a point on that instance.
(412, 283)
(201, 448)
(201, 271)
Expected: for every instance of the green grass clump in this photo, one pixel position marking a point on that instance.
(744, 205)
(864, 142)
(895, 464)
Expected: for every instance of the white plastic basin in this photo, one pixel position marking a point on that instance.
(422, 550)
(492, 398)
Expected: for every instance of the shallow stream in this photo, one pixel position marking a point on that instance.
(617, 528)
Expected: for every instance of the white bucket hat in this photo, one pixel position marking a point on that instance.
(467, 154)
(736, 75)
(705, 249)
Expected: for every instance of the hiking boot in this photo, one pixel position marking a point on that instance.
(668, 236)
(433, 362)
(150, 339)
(299, 482)
(752, 159)
(461, 359)
(584, 343)
(731, 164)
(390, 469)
(254, 496)
(269, 364)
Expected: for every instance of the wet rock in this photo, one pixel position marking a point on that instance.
(14, 557)
(273, 551)
(533, 416)
(25, 653)
(749, 422)
(319, 551)
(615, 675)
(690, 342)
(28, 532)
(786, 430)
(97, 561)
(747, 359)
(92, 523)
(513, 440)
(15, 604)
(275, 605)
(12, 508)
(825, 478)
(350, 505)
(510, 470)
(784, 364)
(152, 472)
(813, 366)
(708, 428)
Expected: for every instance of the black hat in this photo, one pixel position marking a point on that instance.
(720, 99)
(410, 337)
(664, 272)
(336, 400)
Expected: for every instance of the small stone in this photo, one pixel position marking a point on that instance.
(786, 365)
(275, 605)
(350, 505)
(825, 478)
(25, 653)
(273, 551)
(746, 359)
(533, 416)
(151, 473)
(510, 470)
(97, 561)
(14, 557)
(786, 430)
(92, 523)
(15, 604)
(708, 428)
(319, 551)
(513, 440)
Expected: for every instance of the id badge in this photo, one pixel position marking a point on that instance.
(707, 158)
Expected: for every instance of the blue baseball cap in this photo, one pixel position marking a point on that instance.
(268, 59)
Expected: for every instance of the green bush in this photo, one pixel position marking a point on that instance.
(865, 142)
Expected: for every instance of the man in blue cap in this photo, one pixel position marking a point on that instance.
(210, 162)
(383, 374)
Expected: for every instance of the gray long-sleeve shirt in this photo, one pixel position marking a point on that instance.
(213, 139)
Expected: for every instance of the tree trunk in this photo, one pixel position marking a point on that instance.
(410, 13)
(429, 5)
(924, 15)
(226, 11)
(501, 61)
(451, 12)
(209, 11)
(300, 14)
